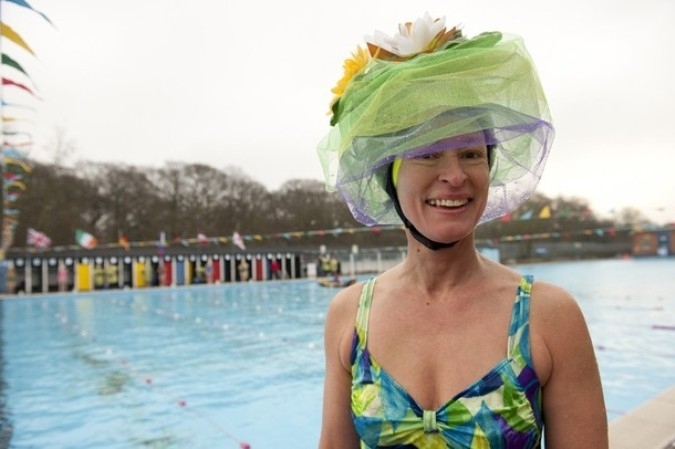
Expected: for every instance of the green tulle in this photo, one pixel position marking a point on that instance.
(488, 82)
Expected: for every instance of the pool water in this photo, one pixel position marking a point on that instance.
(221, 366)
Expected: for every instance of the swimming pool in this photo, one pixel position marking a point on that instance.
(217, 366)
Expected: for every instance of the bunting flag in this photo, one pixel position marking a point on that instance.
(37, 239)
(14, 161)
(10, 223)
(7, 60)
(25, 4)
(11, 177)
(238, 241)
(84, 239)
(9, 82)
(545, 213)
(13, 153)
(124, 242)
(564, 211)
(14, 134)
(18, 184)
(26, 143)
(202, 238)
(11, 197)
(7, 119)
(4, 103)
(526, 216)
(9, 33)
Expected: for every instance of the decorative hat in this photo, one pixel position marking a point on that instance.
(425, 85)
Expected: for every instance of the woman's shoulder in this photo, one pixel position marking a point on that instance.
(344, 305)
(557, 325)
(551, 301)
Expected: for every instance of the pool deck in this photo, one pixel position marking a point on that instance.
(650, 426)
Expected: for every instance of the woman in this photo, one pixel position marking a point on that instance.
(448, 348)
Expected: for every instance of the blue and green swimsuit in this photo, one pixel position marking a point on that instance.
(501, 410)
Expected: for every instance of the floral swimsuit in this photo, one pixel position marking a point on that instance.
(501, 410)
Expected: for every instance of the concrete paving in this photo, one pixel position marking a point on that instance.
(650, 426)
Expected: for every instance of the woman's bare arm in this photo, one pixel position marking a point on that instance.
(337, 428)
(573, 403)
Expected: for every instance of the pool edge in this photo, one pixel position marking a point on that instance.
(649, 426)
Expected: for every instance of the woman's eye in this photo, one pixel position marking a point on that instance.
(427, 156)
(473, 154)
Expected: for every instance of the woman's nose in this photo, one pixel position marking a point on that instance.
(451, 170)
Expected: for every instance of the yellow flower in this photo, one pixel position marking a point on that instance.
(352, 67)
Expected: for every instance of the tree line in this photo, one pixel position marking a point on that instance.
(183, 200)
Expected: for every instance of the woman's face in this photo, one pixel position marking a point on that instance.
(444, 193)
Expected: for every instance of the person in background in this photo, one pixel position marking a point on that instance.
(112, 276)
(10, 279)
(243, 270)
(449, 349)
(334, 269)
(275, 269)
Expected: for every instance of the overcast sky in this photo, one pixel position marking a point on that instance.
(247, 84)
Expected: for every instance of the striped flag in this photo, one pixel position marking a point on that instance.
(38, 239)
(85, 240)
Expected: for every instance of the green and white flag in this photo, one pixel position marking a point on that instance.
(84, 239)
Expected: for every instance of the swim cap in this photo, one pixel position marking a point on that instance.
(409, 93)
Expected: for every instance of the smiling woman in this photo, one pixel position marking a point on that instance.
(449, 349)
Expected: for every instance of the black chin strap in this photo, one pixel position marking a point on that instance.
(391, 191)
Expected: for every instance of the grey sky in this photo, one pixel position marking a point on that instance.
(247, 84)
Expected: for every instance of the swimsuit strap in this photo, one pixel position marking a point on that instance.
(363, 313)
(519, 331)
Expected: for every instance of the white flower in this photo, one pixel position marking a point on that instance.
(412, 38)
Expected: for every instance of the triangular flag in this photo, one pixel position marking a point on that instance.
(85, 240)
(7, 60)
(238, 241)
(26, 5)
(9, 82)
(545, 212)
(9, 33)
(203, 239)
(526, 216)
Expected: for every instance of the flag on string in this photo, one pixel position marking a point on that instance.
(123, 242)
(526, 216)
(545, 212)
(37, 239)
(15, 105)
(17, 144)
(18, 162)
(202, 238)
(84, 239)
(9, 82)
(13, 153)
(7, 60)
(238, 241)
(25, 4)
(15, 183)
(11, 197)
(9, 33)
